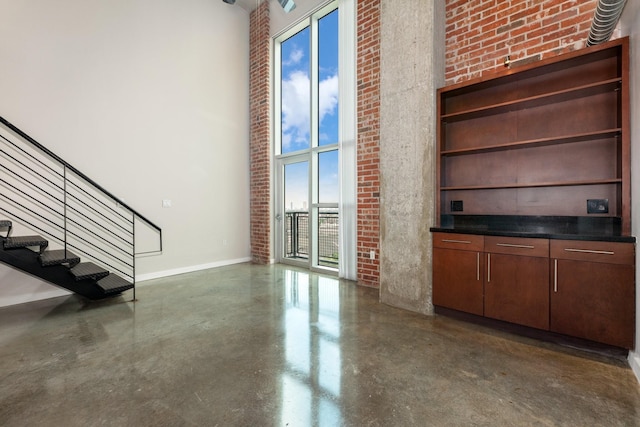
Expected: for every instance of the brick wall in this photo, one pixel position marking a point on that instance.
(368, 153)
(259, 95)
(481, 33)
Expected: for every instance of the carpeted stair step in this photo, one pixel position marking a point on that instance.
(57, 257)
(114, 284)
(25, 242)
(5, 223)
(88, 270)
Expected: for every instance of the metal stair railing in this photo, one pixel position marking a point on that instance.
(44, 193)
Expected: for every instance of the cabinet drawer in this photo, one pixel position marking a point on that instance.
(517, 246)
(607, 252)
(465, 242)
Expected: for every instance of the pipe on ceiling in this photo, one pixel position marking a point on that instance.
(605, 20)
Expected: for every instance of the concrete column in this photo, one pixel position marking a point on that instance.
(412, 68)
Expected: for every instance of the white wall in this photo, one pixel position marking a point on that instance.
(630, 24)
(150, 99)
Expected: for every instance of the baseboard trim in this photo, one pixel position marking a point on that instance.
(634, 362)
(190, 269)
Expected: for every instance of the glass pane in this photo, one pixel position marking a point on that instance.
(296, 191)
(328, 237)
(328, 79)
(328, 177)
(296, 92)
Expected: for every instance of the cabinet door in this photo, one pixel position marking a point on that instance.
(517, 289)
(517, 280)
(593, 291)
(457, 280)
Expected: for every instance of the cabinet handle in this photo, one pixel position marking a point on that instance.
(478, 266)
(590, 251)
(509, 245)
(555, 275)
(466, 242)
(488, 268)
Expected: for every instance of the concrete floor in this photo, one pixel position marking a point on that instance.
(274, 346)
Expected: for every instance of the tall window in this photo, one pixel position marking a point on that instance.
(307, 140)
(314, 141)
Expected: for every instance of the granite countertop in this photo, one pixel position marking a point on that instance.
(606, 229)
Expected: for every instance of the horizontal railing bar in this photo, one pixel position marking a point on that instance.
(31, 184)
(97, 212)
(148, 252)
(31, 170)
(82, 215)
(31, 210)
(11, 214)
(99, 248)
(85, 229)
(62, 189)
(74, 170)
(34, 158)
(98, 200)
(61, 214)
(70, 232)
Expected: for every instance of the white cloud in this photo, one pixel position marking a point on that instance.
(294, 57)
(296, 106)
(295, 109)
(328, 94)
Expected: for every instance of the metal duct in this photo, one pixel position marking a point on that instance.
(604, 20)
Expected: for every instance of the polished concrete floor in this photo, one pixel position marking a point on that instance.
(273, 346)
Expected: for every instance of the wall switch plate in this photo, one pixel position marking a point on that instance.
(166, 203)
(456, 206)
(597, 206)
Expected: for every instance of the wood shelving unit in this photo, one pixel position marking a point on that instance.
(540, 139)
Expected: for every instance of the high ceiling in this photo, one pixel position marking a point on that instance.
(247, 5)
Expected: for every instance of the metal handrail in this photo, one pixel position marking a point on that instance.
(78, 173)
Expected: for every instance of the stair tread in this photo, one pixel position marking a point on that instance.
(88, 270)
(58, 256)
(114, 284)
(24, 241)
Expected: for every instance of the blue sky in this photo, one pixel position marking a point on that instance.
(295, 105)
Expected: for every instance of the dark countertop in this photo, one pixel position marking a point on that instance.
(604, 229)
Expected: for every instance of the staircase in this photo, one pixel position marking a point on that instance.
(56, 203)
(58, 266)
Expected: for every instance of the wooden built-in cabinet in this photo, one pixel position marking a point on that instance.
(534, 196)
(584, 289)
(541, 139)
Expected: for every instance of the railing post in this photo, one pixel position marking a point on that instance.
(64, 198)
(294, 234)
(133, 261)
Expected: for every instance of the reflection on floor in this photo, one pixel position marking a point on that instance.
(275, 346)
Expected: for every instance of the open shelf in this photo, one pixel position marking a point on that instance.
(533, 185)
(536, 101)
(540, 142)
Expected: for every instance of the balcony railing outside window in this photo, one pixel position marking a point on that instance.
(297, 236)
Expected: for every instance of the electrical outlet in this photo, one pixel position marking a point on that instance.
(457, 206)
(372, 255)
(597, 206)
